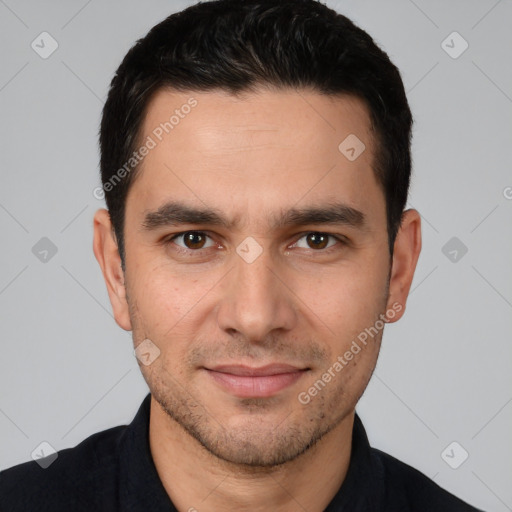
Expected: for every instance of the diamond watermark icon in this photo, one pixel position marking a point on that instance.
(352, 147)
(146, 352)
(454, 45)
(44, 454)
(44, 250)
(454, 455)
(249, 249)
(454, 249)
(44, 45)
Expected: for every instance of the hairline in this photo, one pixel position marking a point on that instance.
(256, 88)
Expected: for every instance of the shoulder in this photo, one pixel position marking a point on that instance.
(70, 482)
(413, 490)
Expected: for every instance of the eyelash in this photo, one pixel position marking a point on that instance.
(184, 250)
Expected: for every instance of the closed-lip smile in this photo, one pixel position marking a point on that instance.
(255, 382)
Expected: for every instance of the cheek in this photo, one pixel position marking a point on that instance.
(167, 302)
(345, 299)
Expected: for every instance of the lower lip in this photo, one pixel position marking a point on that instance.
(244, 386)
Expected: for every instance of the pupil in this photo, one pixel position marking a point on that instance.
(319, 240)
(191, 239)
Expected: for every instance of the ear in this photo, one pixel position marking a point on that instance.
(405, 256)
(107, 253)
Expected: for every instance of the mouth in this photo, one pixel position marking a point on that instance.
(250, 382)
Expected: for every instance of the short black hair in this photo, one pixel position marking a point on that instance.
(238, 45)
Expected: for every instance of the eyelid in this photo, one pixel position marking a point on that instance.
(339, 238)
(182, 233)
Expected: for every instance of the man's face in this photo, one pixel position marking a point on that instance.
(246, 326)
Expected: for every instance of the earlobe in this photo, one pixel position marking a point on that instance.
(107, 253)
(406, 252)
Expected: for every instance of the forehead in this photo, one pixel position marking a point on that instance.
(258, 151)
(219, 120)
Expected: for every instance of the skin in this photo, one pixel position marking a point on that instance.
(299, 302)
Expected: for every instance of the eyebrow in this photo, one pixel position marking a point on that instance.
(174, 213)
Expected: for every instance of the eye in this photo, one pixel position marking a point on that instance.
(192, 240)
(316, 240)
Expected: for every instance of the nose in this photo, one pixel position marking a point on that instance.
(255, 301)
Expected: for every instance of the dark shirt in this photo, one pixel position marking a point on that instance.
(113, 471)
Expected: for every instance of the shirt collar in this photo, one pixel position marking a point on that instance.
(141, 489)
(363, 487)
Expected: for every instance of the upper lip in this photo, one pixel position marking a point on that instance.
(261, 371)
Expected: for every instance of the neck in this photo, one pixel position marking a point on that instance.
(196, 480)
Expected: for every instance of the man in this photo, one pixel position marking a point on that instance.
(255, 157)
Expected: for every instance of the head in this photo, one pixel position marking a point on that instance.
(255, 158)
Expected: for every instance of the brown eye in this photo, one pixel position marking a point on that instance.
(317, 240)
(192, 240)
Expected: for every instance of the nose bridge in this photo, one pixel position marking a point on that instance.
(255, 301)
(254, 280)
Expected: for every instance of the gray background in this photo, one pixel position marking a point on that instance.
(67, 370)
